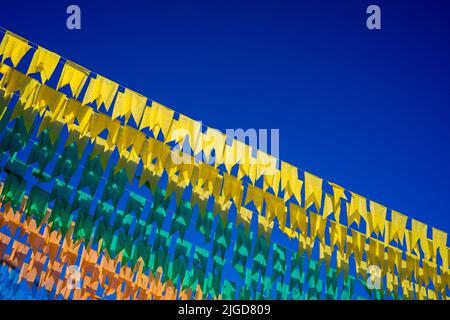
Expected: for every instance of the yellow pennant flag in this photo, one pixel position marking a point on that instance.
(84, 120)
(419, 231)
(71, 111)
(290, 182)
(325, 254)
(146, 153)
(313, 190)
(265, 228)
(29, 94)
(272, 181)
(186, 127)
(49, 97)
(266, 164)
(255, 195)
(73, 75)
(397, 226)
(44, 62)
(275, 207)
(162, 152)
(328, 206)
(248, 168)
(412, 265)
(17, 81)
(138, 143)
(126, 139)
(244, 216)
(129, 103)
(289, 176)
(207, 179)
(232, 188)
(357, 209)
(317, 225)
(13, 47)
(130, 166)
(213, 139)
(358, 246)
(99, 122)
(232, 154)
(101, 90)
(338, 194)
(157, 117)
(377, 218)
(298, 218)
(440, 242)
(6, 72)
(338, 235)
(186, 171)
(113, 134)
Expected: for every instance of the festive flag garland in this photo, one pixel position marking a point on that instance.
(280, 195)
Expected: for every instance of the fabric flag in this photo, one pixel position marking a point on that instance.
(44, 62)
(338, 235)
(255, 195)
(290, 183)
(440, 242)
(272, 181)
(157, 117)
(418, 231)
(71, 111)
(275, 207)
(298, 218)
(51, 98)
(328, 206)
(213, 139)
(17, 81)
(377, 219)
(313, 190)
(74, 76)
(397, 226)
(338, 194)
(101, 90)
(13, 47)
(29, 94)
(357, 209)
(185, 127)
(129, 103)
(232, 188)
(99, 122)
(358, 247)
(317, 225)
(248, 166)
(266, 164)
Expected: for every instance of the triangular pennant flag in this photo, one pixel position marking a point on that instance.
(13, 47)
(44, 62)
(74, 76)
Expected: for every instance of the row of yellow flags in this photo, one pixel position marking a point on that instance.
(159, 118)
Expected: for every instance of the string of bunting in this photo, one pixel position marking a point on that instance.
(118, 119)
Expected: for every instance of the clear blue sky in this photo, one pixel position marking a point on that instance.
(368, 110)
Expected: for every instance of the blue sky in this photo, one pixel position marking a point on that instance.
(368, 110)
